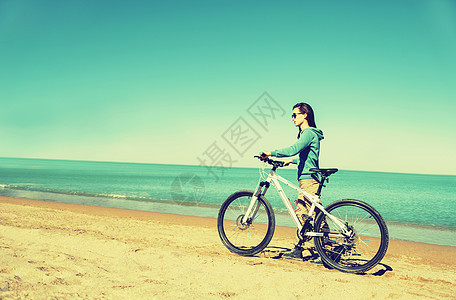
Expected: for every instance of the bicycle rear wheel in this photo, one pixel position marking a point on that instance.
(247, 238)
(361, 250)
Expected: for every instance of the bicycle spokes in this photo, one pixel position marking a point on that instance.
(245, 235)
(362, 241)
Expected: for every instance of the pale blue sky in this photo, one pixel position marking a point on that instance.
(160, 81)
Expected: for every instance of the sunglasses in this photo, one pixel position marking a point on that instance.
(294, 115)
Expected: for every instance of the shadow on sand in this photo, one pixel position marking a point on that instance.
(277, 252)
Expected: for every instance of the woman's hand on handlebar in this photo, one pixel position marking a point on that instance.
(266, 154)
(277, 163)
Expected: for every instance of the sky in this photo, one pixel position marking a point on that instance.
(214, 82)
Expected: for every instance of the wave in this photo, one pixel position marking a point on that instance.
(38, 195)
(75, 193)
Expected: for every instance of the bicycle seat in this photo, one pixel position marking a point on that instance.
(324, 172)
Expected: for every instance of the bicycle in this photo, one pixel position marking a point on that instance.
(349, 235)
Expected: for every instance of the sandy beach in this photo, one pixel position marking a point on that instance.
(52, 250)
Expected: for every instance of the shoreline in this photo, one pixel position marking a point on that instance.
(445, 236)
(178, 219)
(62, 250)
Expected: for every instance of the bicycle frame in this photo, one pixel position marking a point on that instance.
(275, 179)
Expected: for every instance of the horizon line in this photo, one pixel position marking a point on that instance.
(239, 167)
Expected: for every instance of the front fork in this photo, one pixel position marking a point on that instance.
(252, 210)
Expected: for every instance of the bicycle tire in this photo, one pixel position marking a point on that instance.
(245, 239)
(363, 250)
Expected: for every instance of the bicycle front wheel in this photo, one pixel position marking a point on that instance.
(358, 251)
(247, 238)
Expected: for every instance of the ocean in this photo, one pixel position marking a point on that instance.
(416, 207)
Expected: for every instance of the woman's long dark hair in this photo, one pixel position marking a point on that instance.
(305, 108)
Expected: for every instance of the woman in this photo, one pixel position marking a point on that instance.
(308, 148)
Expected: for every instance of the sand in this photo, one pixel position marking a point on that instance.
(54, 250)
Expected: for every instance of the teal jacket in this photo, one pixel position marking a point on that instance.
(308, 147)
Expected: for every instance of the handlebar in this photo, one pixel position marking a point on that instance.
(274, 163)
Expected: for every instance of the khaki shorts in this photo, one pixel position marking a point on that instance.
(303, 206)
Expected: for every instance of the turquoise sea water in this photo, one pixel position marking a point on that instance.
(416, 207)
